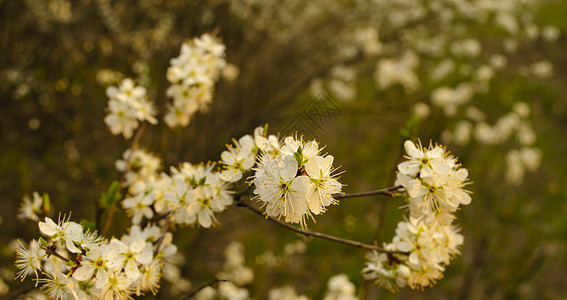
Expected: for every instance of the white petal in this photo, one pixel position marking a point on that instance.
(83, 273)
(48, 227)
(131, 270)
(412, 150)
(205, 219)
(289, 168)
(313, 169)
(301, 184)
(71, 246)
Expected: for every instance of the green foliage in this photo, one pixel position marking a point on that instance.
(111, 196)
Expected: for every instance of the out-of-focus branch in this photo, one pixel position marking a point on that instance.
(162, 236)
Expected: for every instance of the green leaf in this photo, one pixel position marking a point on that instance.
(298, 157)
(265, 131)
(46, 204)
(202, 180)
(42, 241)
(112, 195)
(102, 200)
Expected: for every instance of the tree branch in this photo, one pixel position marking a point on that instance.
(52, 252)
(317, 234)
(386, 192)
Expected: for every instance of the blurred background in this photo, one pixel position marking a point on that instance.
(484, 78)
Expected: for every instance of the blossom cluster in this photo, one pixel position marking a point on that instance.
(240, 158)
(192, 76)
(139, 167)
(430, 248)
(434, 183)
(189, 194)
(192, 194)
(128, 106)
(427, 240)
(80, 264)
(293, 180)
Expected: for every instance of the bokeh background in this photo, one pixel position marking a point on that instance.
(371, 61)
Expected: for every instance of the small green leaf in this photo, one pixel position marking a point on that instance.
(265, 131)
(298, 157)
(112, 195)
(42, 241)
(202, 180)
(102, 201)
(46, 204)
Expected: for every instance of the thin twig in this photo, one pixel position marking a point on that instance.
(52, 252)
(386, 192)
(192, 294)
(318, 234)
(390, 191)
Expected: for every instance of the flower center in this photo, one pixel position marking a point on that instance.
(99, 263)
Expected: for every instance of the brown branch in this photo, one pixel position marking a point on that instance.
(52, 252)
(317, 234)
(386, 192)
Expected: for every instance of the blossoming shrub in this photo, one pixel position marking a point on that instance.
(288, 177)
